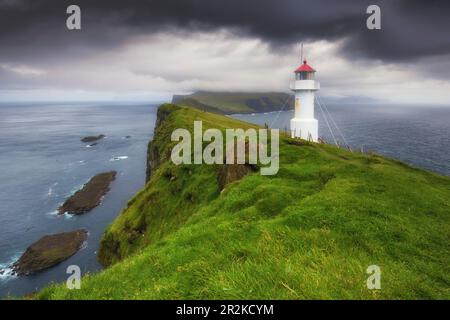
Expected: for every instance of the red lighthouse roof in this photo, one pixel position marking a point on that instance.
(305, 68)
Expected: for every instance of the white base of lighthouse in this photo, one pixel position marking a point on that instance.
(307, 129)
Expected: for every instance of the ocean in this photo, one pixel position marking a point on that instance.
(417, 135)
(43, 162)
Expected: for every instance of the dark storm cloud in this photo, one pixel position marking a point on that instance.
(410, 29)
(33, 29)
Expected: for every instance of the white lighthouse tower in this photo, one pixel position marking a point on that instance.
(304, 125)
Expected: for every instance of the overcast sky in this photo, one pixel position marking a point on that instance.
(148, 50)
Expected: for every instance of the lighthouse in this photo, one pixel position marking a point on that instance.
(304, 125)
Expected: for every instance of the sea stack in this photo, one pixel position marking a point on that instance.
(92, 138)
(49, 251)
(90, 195)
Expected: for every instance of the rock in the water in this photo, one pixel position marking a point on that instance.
(90, 195)
(92, 138)
(49, 251)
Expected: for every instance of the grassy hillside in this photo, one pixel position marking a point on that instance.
(308, 232)
(236, 102)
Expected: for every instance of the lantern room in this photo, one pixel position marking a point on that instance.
(304, 72)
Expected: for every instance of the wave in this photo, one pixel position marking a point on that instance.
(68, 215)
(50, 190)
(53, 213)
(75, 189)
(56, 213)
(118, 158)
(6, 272)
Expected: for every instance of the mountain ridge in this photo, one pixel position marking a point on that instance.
(236, 102)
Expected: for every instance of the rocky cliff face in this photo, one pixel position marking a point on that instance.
(154, 157)
(172, 193)
(226, 173)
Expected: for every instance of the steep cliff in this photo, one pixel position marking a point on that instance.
(309, 232)
(173, 193)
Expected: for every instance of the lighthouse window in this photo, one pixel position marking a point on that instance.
(304, 76)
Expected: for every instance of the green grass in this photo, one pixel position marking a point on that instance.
(309, 232)
(236, 102)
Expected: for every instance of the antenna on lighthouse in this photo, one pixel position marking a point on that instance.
(301, 52)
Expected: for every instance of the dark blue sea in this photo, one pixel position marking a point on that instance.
(418, 135)
(43, 162)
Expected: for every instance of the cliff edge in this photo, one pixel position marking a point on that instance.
(309, 232)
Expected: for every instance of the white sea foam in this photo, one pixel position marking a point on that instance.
(118, 158)
(68, 215)
(75, 189)
(56, 213)
(53, 213)
(7, 273)
(50, 190)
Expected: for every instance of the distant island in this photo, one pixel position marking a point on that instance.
(236, 102)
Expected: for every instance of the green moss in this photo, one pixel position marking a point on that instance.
(308, 232)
